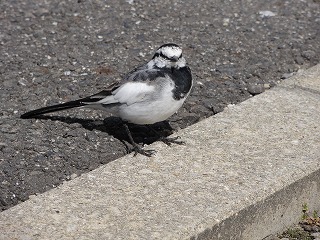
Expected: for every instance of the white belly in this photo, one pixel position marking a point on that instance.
(155, 111)
(142, 103)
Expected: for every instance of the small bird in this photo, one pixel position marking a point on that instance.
(149, 94)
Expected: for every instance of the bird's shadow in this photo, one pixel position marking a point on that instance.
(144, 134)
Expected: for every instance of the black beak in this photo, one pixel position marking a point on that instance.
(174, 59)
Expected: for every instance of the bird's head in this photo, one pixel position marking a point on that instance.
(168, 56)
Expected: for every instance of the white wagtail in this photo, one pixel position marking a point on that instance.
(147, 95)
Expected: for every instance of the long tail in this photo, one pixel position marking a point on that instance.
(91, 100)
(54, 108)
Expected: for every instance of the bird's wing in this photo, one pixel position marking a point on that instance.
(136, 87)
(132, 92)
(143, 74)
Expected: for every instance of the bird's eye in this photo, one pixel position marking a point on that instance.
(161, 54)
(173, 58)
(164, 56)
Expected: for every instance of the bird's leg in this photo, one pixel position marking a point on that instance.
(167, 140)
(136, 148)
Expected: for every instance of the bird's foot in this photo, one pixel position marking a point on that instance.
(137, 149)
(170, 140)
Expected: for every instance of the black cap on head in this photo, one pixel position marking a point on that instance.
(169, 51)
(169, 45)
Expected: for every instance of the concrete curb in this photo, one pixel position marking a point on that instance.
(243, 174)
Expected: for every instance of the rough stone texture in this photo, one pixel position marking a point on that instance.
(302, 80)
(243, 174)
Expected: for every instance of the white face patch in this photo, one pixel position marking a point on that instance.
(171, 51)
(168, 55)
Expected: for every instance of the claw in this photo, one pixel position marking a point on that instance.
(169, 141)
(137, 149)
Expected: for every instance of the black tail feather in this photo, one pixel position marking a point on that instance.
(54, 108)
(72, 104)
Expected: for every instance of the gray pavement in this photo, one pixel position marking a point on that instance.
(243, 174)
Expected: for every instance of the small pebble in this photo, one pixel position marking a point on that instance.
(255, 89)
(73, 176)
(299, 60)
(266, 14)
(287, 75)
(226, 21)
(309, 54)
(266, 86)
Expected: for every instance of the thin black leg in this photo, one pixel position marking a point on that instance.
(136, 148)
